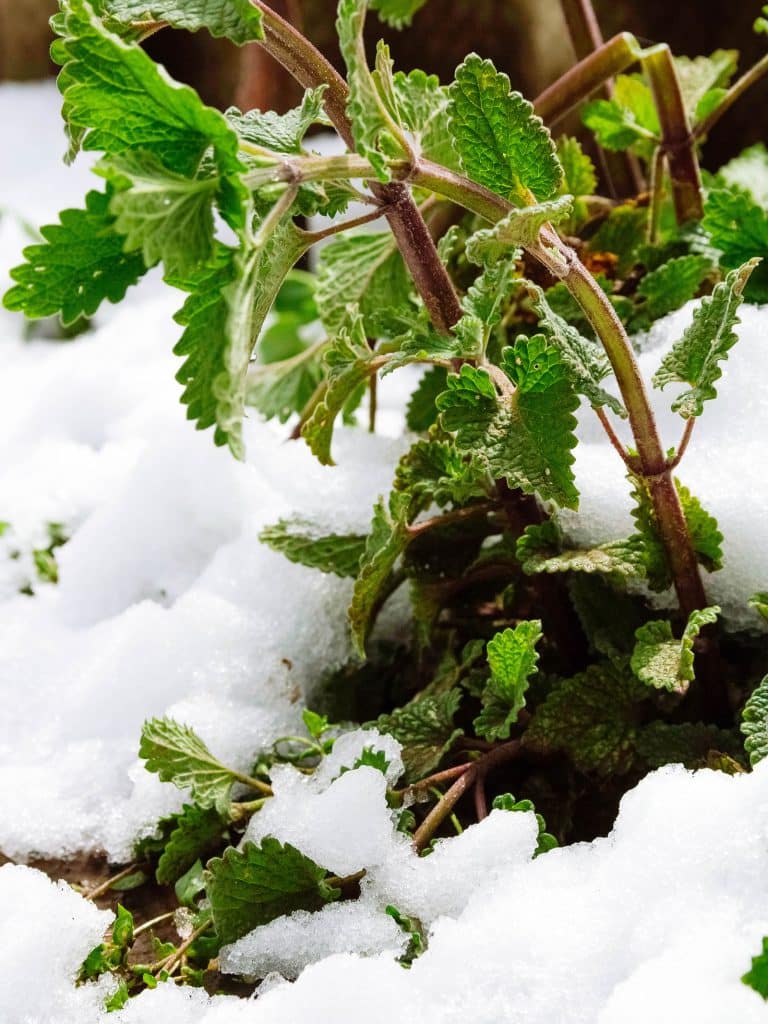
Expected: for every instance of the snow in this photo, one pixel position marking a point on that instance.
(167, 604)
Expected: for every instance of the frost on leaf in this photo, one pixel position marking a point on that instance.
(525, 436)
(520, 227)
(661, 661)
(695, 359)
(540, 549)
(754, 723)
(386, 542)
(502, 143)
(178, 755)
(585, 361)
(512, 659)
(238, 20)
(593, 718)
(425, 729)
(80, 263)
(303, 542)
(254, 885)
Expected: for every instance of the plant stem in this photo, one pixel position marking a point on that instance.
(152, 922)
(657, 194)
(684, 442)
(311, 69)
(106, 886)
(347, 225)
(736, 91)
(586, 77)
(618, 446)
(444, 808)
(677, 141)
(171, 962)
(257, 784)
(455, 516)
(621, 169)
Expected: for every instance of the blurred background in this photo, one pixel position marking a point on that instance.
(526, 38)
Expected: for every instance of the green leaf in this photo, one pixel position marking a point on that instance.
(669, 287)
(122, 929)
(579, 180)
(281, 133)
(119, 997)
(757, 976)
(414, 929)
(512, 659)
(627, 120)
(348, 365)
(282, 388)
(386, 542)
(507, 802)
(237, 20)
(229, 302)
(315, 724)
(190, 885)
(661, 661)
(397, 13)
(520, 227)
(422, 411)
(748, 172)
(688, 743)
(366, 271)
(527, 436)
(585, 360)
(623, 234)
(760, 603)
(608, 617)
(433, 471)
(301, 541)
(699, 76)
(502, 143)
(116, 99)
(80, 263)
(695, 359)
(539, 549)
(421, 103)
(375, 133)
(198, 831)
(593, 718)
(425, 729)
(254, 885)
(178, 755)
(738, 226)
(754, 723)
(165, 216)
(706, 538)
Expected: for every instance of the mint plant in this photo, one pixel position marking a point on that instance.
(534, 664)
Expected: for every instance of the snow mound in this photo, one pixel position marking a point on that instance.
(658, 921)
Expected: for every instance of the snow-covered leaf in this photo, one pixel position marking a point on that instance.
(301, 541)
(178, 755)
(254, 885)
(540, 549)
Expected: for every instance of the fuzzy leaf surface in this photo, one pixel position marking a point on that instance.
(579, 180)
(253, 886)
(754, 723)
(198, 831)
(527, 438)
(592, 718)
(669, 287)
(539, 549)
(397, 13)
(81, 263)
(512, 659)
(520, 227)
(426, 730)
(237, 20)
(363, 270)
(695, 359)
(738, 226)
(433, 471)
(301, 542)
(422, 108)
(699, 76)
(177, 754)
(501, 142)
(585, 361)
(281, 133)
(384, 545)
(661, 661)
(116, 99)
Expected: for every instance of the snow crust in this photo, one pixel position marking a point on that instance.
(167, 604)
